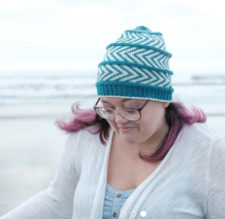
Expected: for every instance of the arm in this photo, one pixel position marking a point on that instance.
(216, 181)
(56, 202)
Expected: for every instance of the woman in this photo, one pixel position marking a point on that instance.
(137, 154)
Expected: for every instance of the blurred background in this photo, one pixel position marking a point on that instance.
(49, 52)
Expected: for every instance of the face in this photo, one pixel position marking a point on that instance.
(147, 129)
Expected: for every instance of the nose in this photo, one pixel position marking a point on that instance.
(119, 118)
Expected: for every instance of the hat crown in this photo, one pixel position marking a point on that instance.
(136, 65)
(143, 29)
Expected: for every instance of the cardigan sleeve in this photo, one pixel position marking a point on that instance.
(55, 202)
(216, 181)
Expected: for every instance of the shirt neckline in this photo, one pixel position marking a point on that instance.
(120, 191)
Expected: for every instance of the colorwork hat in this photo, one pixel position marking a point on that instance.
(136, 66)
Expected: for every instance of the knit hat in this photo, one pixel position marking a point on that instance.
(136, 66)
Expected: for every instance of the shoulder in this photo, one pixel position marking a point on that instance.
(79, 146)
(200, 131)
(84, 141)
(200, 138)
(82, 136)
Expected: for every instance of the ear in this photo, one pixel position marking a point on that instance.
(165, 104)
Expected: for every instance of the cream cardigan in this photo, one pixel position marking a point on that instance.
(188, 184)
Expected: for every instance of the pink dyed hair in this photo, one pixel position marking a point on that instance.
(177, 115)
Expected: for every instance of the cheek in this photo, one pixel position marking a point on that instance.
(150, 123)
(145, 128)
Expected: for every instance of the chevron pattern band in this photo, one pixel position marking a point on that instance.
(136, 66)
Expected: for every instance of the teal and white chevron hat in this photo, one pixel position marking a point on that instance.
(136, 66)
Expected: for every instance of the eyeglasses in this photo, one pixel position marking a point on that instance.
(132, 114)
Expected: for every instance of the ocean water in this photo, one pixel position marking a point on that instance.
(49, 88)
(42, 89)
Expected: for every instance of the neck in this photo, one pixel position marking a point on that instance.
(148, 147)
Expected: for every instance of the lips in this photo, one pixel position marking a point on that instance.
(125, 128)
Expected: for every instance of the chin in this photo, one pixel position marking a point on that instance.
(128, 139)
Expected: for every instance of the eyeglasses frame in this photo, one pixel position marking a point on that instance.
(139, 109)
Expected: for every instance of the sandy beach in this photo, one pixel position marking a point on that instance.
(31, 146)
(29, 152)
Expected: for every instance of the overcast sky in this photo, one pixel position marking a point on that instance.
(72, 35)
